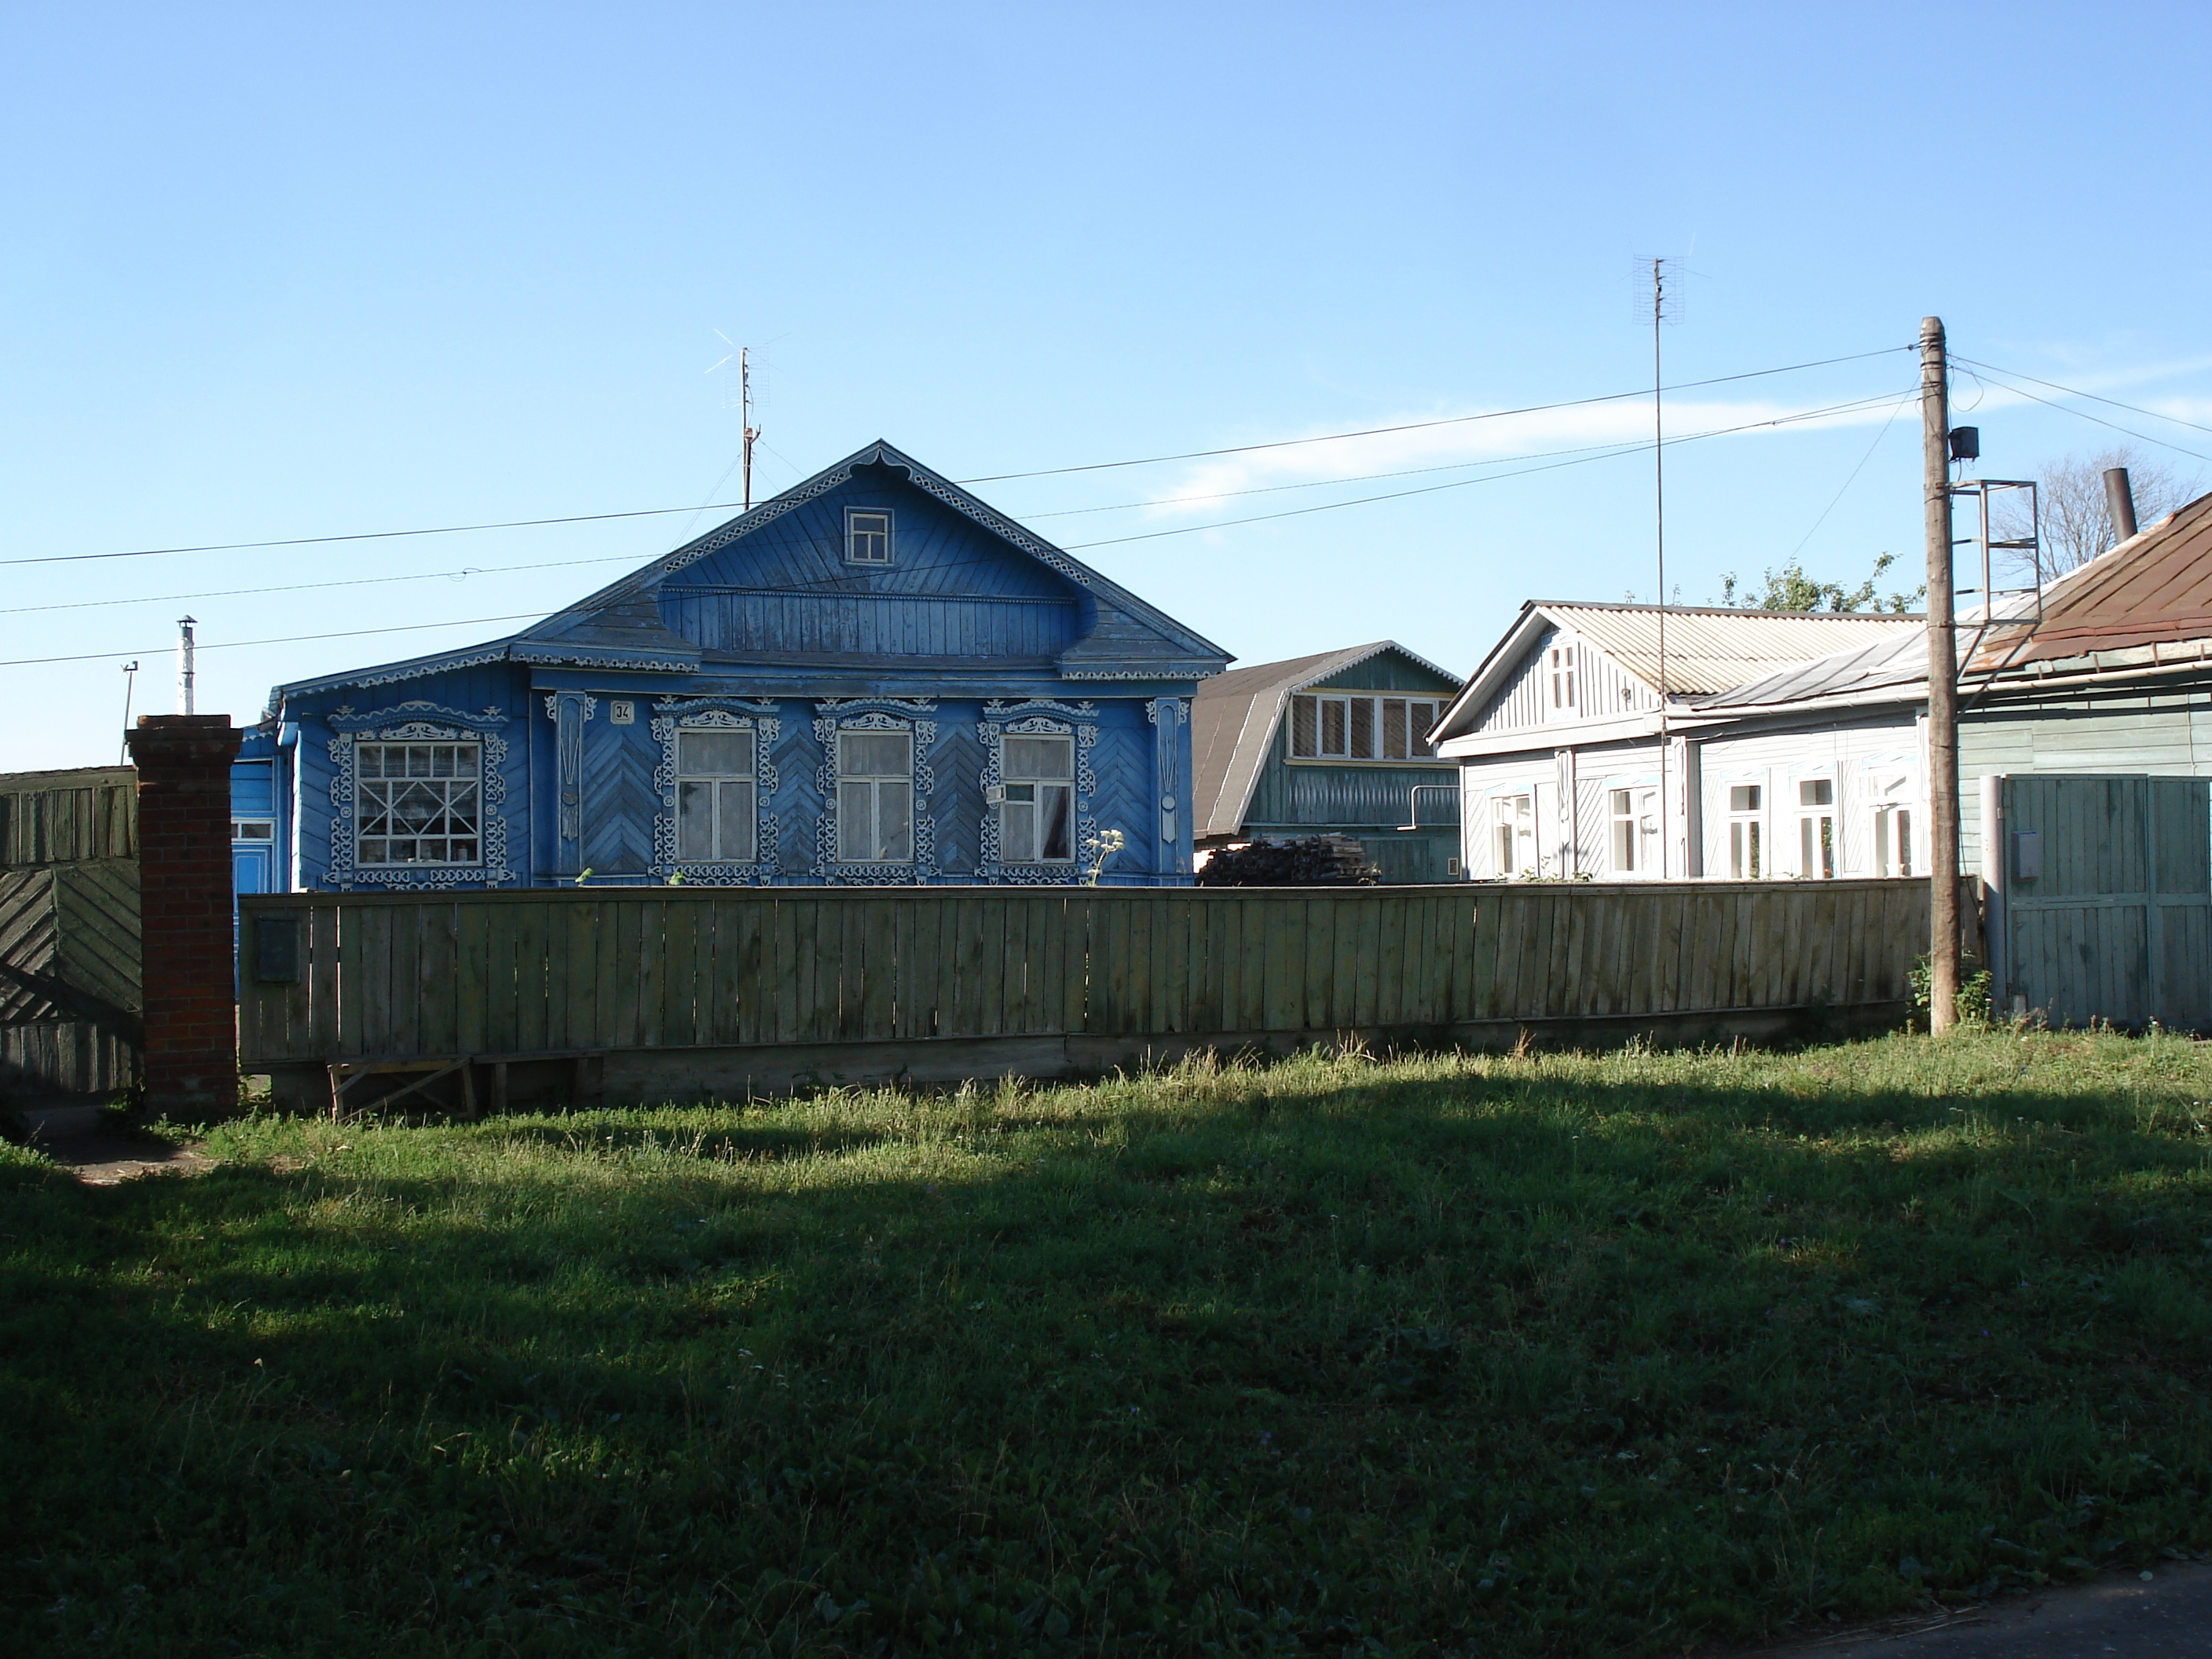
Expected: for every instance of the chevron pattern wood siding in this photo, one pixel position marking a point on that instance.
(620, 799)
(70, 1000)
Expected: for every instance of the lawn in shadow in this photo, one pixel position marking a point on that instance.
(1554, 1354)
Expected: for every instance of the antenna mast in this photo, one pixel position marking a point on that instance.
(745, 415)
(1659, 303)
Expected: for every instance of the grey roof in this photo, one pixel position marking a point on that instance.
(1900, 660)
(1234, 718)
(1710, 650)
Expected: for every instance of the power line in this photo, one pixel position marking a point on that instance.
(2084, 415)
(999, 478)
(1582, 455)
(289, 639)
(2133, 409)
(308, 588)
(1420, 426)
(1461, 484)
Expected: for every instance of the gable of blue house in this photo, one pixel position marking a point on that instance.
(874, 677)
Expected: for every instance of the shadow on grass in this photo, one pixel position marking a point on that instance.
(1541, 1359)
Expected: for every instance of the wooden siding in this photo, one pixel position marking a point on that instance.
(392, 976)
(2118, 924)
(1603, 690)
(1391, 673)
(2166, 734)
(952, 590)
(70, 1000)
(59, 818)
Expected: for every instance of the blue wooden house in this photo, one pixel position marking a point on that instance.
(873, 678)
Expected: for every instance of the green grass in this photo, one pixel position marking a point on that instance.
(1552, 1355)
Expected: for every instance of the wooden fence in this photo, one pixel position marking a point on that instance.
(678, 990)
(69, 998)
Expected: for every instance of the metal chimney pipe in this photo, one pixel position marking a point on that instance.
(2120, 501)
(185, 665)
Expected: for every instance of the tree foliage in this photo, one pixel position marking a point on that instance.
(1790, 589)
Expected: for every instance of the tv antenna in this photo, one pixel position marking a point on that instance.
(743, 405)
(1659, 301)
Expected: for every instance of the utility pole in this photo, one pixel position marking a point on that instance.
(1659, 537)
(1942, 682)
(130, 685)
(185, 665)
(745, 415)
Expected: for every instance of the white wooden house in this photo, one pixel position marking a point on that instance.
(1587, 748)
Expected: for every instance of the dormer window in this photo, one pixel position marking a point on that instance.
(1563, 677)
(867, 535)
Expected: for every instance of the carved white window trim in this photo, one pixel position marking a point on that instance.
(994, 729)
(674, 715)
(876, 715)
(417, 722)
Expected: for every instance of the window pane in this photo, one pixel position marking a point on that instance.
(1421, 716)
(1304, 726)
(874, 755)
(856, 822)
(714, 754)
(1743, 798)
(1903, 840)
(1017, 832)
(1052, 758)
(1332, 725)
(1816, 792)
(734, 824)
(895, 822)
(1393, 728)
(1363, 728)
(694, 821)
(1059, 814)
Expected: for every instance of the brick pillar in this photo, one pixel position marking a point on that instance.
(184, 911)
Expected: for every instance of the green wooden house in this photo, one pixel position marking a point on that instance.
(1332, 745)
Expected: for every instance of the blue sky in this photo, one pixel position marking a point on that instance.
(291, 272)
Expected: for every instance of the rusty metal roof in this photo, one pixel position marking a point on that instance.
(2152, 589)
(1714, 650)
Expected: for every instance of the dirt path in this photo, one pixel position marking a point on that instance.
(2166, 1614)
(102, 1157)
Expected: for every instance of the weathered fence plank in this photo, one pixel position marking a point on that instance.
(852, 972)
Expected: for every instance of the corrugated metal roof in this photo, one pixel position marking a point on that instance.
(1235, 716)
(2153, 588)
(1711, 651)
(1898, 661)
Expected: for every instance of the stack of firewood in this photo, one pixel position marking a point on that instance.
(1314, 861)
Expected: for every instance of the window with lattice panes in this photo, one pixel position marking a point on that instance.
(1513, 833)
(1561, 666)
(717, 818)
(875, 797)
(867, 535)
(1634, 818)
(418, 803)
(1891, 798)
(1747, 831)
(1036, 809)
(1357, 727)
(1816, 829)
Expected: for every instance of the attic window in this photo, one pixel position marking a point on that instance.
(1359, 727)
(1563, 677)
(867, 535)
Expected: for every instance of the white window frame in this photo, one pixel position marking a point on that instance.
(1749, 855)
(1891, 798)
(719, 788)
(1816, 845)
(253, 831)
(1561, 666)
(1632, 808)
(874, 788)
(1312, 714)
(1025, 803)
(1513, 830)
(374, 798)
(867, 541)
